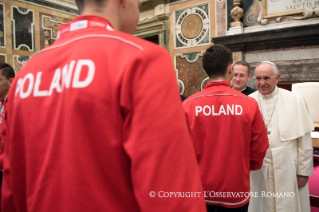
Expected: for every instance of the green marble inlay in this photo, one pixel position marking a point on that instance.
(205, 8)
(192, 55)
(178, 13)
(23, 48)
(178, 43)
(23, 10)
(23, 59)
(205, 40)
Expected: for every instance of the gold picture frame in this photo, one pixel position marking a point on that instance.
(265, 15)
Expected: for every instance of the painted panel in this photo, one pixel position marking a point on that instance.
(22, 29)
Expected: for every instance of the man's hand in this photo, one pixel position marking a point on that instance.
(302, 181)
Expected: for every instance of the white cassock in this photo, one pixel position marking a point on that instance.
(289, 154)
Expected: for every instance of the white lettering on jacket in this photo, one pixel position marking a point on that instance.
(222, 110)
(31, 84)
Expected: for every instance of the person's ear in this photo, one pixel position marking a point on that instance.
(277, 78)
(123, 3)
(230, 69)
(206, 73)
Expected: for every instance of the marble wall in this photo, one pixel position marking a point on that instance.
(26, 28)
(22, 20)
(49, 25)
(190, 73)
(192, 24)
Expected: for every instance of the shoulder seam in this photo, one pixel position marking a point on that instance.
(210, 95)
(91, 36)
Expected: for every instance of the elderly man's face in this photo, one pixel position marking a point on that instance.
(266, 79)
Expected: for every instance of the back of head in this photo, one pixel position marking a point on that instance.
(82, 3)
(7, 71)
(216, 60)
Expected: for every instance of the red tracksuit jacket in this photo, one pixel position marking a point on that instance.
(230, 139)
(95, 123)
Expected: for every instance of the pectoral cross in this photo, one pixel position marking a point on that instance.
(268, 132)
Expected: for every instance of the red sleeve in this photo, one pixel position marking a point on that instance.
(7, 203)
(259, 141)
(157, 140)
(198, 146)
(2, 147)
(3, 133)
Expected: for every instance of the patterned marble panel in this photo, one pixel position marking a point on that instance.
(221, 17)
(22, 29)
(192, 26)
(19, 61)
(190, 72)
(3, 58)
(2, 25)
(49, 25)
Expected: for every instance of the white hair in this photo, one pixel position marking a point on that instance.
(274, 67)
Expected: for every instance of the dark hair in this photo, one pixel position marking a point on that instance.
(7, 71)
(243, 63)
(216, 59)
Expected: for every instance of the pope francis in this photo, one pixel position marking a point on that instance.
(281, 184)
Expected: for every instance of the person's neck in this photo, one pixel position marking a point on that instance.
(218, 79)
(109, 14)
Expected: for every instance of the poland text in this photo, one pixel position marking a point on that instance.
(213, 110)
(63, 78)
